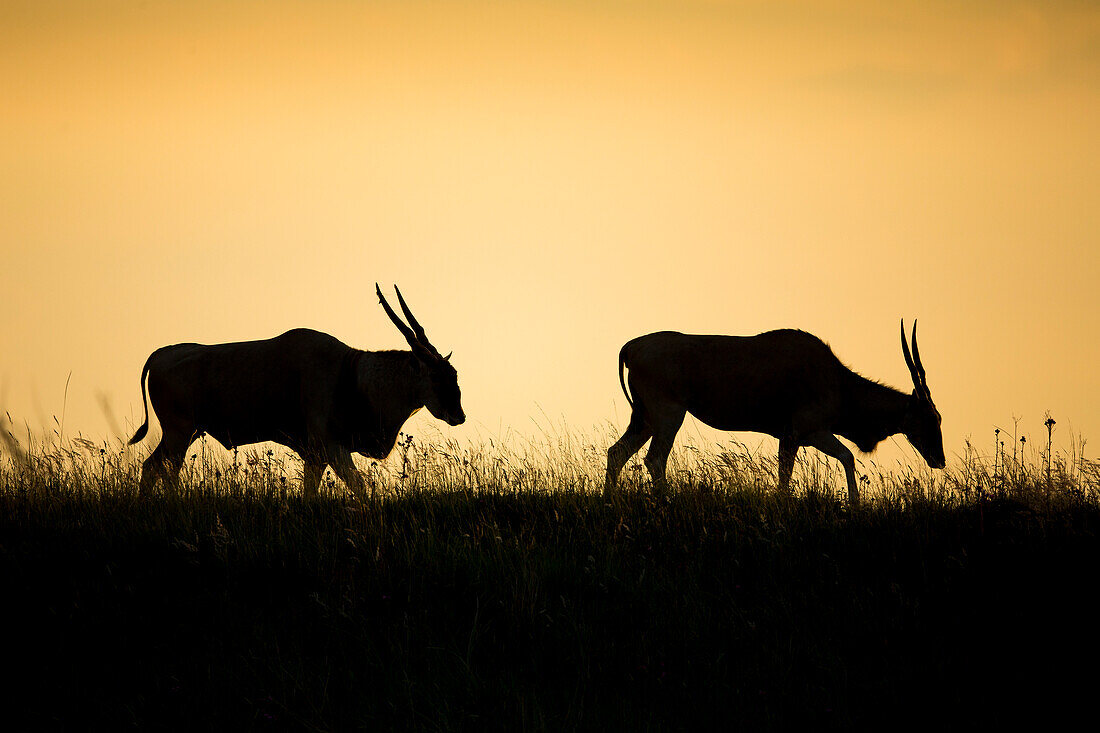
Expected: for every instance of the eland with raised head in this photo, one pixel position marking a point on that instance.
(303, 389)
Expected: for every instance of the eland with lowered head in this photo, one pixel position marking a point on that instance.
(785, 383)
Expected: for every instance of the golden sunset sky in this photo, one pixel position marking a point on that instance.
(546, 180)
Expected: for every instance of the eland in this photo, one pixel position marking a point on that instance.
(785, 383)
(303, 389)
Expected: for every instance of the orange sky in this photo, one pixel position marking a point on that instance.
(546, 180)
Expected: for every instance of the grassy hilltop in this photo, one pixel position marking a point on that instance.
(485, 589)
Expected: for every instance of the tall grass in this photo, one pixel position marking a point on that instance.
(492, 586)
(555, 460)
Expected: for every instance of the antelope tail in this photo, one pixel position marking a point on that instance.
(145, 402)
(622, 363)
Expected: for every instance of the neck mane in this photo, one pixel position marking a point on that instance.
(388, 386)
(391, 379)
(871, 411)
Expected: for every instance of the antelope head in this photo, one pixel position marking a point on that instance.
(922, 420)
(439, 383)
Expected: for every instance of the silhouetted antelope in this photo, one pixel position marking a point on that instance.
(785, 383)
(303, 389)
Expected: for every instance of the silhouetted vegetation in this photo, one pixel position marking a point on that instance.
(489, 589)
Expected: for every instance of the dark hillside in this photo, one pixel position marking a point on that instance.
(452, 610)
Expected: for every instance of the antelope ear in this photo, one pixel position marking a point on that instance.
(922, 395)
